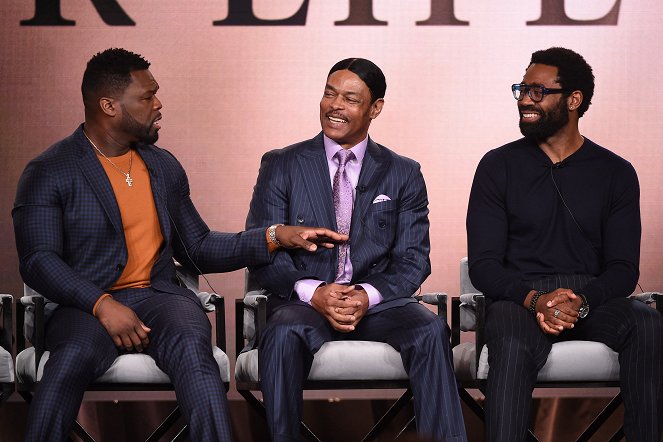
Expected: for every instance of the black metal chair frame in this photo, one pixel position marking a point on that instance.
(480, 385)
(6, 341)
(246, 389)
(26, 390)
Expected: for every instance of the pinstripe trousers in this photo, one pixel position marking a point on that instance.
(295, 332)
(519, 349)
(81, 351)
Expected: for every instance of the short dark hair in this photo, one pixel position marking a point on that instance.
(573, 72)
(368, 71)
(108, 73)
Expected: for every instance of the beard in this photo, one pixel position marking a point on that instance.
(145, 134)
(548, 124)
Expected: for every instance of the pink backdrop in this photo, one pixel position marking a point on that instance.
(232, 93)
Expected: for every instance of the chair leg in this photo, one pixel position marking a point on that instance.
(79, 431)
(619, 435)
(306, 433)
(531, 437)
(165, 425)
(27, 396)
(600, 419)
(411, 425)
(388, 416)
(253, 402)
(182, 435)
(258, 406)
(472, 404)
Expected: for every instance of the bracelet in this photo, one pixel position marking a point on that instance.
(534, 300)
(271, 234)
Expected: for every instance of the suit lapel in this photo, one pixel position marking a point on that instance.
(373, 168)
(96, 175)
(158, 185)
(315, 173)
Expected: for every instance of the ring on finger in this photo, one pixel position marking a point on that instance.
(557, 312)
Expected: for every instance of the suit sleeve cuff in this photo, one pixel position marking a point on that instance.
(374, 296)
(305, 288)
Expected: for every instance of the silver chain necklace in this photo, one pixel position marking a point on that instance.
(126, 174)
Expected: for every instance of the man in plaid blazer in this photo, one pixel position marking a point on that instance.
(98, 219)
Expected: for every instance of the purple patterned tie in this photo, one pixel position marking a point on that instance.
(342, 192)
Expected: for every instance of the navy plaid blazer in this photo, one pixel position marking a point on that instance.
(389, 240)
(69, 232)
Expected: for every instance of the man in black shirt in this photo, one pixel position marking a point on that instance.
(553, 228)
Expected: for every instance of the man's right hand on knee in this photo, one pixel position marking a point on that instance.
(124, 327)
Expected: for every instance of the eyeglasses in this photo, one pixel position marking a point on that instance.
(536, 93)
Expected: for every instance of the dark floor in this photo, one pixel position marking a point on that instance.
(338, 420)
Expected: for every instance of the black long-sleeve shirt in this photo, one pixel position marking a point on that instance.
(519, 230)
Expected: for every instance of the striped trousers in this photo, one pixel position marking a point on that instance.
(519, 349)
(296, 331)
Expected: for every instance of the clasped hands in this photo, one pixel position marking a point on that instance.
(343, 306)
(558, 311)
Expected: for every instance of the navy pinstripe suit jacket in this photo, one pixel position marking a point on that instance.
(69, 231)
(389, 240)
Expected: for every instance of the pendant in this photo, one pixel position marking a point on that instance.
(129, 180)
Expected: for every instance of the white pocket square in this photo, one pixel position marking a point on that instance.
(381, 199)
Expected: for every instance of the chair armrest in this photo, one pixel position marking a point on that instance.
(7, 331)
(206, 300)
(31, 325)
(250, 318)
(468, 310)
(650, 298)
(219, 307)
(646, 297)
(253, 298)
(436, 298)
(469, 314)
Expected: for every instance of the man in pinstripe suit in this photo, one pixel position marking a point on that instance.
(360, 292)
(98, 219)
(553, 229)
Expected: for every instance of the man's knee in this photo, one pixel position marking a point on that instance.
(77, 359)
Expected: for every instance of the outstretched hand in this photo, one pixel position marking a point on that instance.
(124, 327)
(308, 238)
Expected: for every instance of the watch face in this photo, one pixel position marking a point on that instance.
(583, 312)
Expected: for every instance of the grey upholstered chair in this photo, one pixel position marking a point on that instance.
(6, 338)
(338, 365)
(571, 364)
(129, 372)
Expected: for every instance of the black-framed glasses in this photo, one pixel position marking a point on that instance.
(536, 93)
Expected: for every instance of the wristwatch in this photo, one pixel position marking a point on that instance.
(584, 307)
(271, 234)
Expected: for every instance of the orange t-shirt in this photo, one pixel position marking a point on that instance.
(140, 222)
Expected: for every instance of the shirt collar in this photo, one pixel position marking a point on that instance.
(331, 147)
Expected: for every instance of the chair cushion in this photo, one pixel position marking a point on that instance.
(339, 360)
(6, 367)
(128, 368)
(577, 361)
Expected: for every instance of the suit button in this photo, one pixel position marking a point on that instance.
(374, 264)
(119, 267)
(300, 219)
(382, 224)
